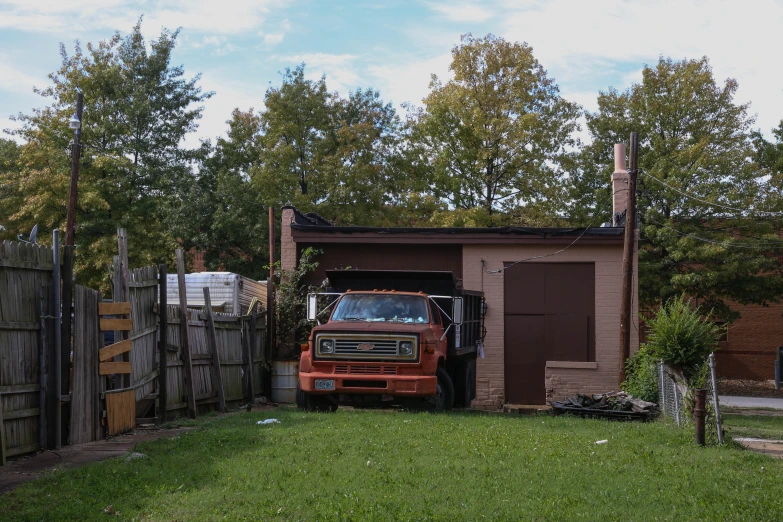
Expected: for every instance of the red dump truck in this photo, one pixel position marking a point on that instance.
(391, 336)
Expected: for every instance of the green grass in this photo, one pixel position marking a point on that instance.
(386, 465)
(755, 426)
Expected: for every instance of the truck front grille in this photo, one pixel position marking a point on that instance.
(365, 370)
(367, 347)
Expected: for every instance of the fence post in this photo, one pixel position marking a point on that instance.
(42, 363)
(163, 331)
(251, 348)
(699, 412)
(58, 362)
(183, 333)
(217, 376)
(66, 330)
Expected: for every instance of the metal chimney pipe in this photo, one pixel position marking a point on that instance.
(619, 158)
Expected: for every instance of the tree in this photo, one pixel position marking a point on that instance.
(338, 156)
(495, 134)
(10, 167)
(222, 214)
(138, 108)
(701, 232)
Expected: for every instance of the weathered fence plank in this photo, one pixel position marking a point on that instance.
(217, 377)
(85, 403)
(163, 315)
(184, 336)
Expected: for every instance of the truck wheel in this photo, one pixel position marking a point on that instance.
(303, 400)
(444, 395)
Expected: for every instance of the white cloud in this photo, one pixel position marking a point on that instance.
(740, 39)
(341, 70)
(64, 16)
(273, 39)
(462, 11)
(408, 81)
(16, 81)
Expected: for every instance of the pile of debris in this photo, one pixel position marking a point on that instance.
(612, 405)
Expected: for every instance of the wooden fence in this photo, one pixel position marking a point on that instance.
(30, 404)
(234, 365)
(25, 274)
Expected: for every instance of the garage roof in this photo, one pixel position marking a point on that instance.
(313, 228)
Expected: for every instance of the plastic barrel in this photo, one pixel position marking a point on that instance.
(285, 375)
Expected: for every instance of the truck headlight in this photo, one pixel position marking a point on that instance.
(327, 346)
(406, 348)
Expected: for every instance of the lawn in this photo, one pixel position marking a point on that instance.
(755, 426)
(389, 465)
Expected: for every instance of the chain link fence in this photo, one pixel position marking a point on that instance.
(675, 403)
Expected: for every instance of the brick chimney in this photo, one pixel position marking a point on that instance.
(619, 186)
(287, 244)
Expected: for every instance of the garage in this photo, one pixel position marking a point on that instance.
(549, 316)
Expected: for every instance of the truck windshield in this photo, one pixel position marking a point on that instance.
(384, 307)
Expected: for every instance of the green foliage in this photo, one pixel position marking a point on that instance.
(10, 195)
(696, 139)
(293, 328)
(682, 338)
(221, 213)
(494, 135)
(137, 109)
(641, 373)
(337, 156)
(389, 465)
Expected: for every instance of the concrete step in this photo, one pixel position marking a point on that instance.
(527, 409)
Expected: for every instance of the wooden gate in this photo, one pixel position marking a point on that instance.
(120, 404)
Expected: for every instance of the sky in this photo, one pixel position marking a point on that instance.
(240, 47)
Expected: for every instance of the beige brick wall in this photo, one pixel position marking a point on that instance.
(559, 382)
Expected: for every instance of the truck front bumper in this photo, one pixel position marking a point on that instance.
(402, 385)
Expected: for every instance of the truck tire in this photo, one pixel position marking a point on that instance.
(303, 401)
(466, 383)
(443, 399)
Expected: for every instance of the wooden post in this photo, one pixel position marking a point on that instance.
(122, 296)
(628, 251)
(266, 380)
(250, 358)
(270, 286)
(163, 330)
(217, 376)
(42, 353)
(76, 153)
(66, 329)
(183, 333)
(58, 362)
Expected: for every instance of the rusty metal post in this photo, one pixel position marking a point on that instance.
(699, 412)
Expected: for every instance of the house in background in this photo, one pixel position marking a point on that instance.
(553, 323)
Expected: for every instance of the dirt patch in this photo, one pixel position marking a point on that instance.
(29, 467)
(743, 388)
(773, 448)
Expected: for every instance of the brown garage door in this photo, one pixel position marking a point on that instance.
(549, 316)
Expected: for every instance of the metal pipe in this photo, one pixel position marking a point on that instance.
(715, 398)
(58, 361)
(699, 412)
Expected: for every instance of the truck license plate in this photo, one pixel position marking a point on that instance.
(324, 384)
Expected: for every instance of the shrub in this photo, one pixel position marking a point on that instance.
(641, 375)
(682, 337)
(292, 325)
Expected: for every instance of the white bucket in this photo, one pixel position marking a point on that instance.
(285, 375)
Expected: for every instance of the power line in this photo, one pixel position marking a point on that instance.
(710, 203)
(603, 207)
(721, 243)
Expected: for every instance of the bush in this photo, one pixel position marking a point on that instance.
(641, 375)
(293, 328)
(681, 337)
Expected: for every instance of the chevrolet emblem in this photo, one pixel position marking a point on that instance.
(365, 347)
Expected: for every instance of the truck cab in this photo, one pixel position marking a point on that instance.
(394, 342)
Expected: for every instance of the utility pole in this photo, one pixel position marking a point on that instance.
(76, 124)
(628, 251)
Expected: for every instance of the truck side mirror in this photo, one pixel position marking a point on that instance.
(312, 307)
(457, 312)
